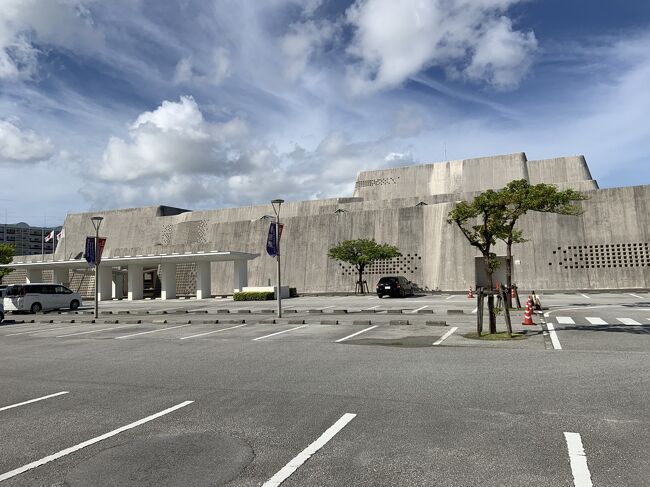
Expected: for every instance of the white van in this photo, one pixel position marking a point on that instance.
(40, 296)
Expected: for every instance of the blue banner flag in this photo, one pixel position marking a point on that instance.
(270, 242)
(271, 248)
(90, 250)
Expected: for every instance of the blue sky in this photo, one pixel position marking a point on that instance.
(204, 104)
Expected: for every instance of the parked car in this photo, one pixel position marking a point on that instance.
(394, 286)
(2, 313)
(40, 296)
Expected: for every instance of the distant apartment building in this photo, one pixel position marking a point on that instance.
(28, 240)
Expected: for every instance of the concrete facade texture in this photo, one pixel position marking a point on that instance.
(607, 247)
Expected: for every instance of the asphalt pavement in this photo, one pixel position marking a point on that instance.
(343, 390)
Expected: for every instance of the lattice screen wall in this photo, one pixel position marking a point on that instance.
(602, 256)
(405, 265)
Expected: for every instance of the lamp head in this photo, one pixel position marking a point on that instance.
(277, 202)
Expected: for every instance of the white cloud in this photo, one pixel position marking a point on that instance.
(24, 24)
(302, 41)
(174, 138)
(396, 40)
(18, 145)
(214, 71)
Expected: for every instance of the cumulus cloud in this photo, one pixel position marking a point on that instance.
(26, 24)
(174, 138)
(302, 41)
(395, 40)
(18, 145)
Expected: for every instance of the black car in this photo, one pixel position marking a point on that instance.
(395, 286)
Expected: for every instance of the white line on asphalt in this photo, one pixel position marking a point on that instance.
(214, 331)
(151, 331)
(42, 329)
(326, 307)
(445, 336)
(355, 334)
(474, 311)
(578, 459)
(304, 455)
(416, 310)
(628, 321)
(33, 400)
(372, 307)
(585, 296)
(86, 443)
(548, 313)
(554, 339)
(279, 332)
(450, 297)
(565, 320)
(596, 321)
(636, 296)
(93, 331)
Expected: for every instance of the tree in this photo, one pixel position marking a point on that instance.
(481, 221)
(362, 252)
(7, 252)
(520, 197)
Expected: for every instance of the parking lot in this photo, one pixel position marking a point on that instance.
(342, 390)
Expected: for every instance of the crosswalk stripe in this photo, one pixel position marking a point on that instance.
(596, 321)
(565, 320)
(628, 321)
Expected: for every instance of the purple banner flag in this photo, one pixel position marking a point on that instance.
(90, 250)
(270, 242)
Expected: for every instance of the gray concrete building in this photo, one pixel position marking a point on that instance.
(606, 248)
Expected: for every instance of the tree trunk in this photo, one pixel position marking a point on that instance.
(490, 300)
(360, 282)
(509, 274)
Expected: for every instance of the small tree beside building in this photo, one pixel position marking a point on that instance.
(7, 252)
(360, 253)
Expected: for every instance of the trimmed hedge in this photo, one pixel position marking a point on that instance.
(253, 296)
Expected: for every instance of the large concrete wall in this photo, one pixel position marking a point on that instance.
(607, 247)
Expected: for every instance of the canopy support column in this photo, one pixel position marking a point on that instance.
(167, 281)
(240, 274)
(203, 280)
(34, 275)
(135, 282)
(105, 284)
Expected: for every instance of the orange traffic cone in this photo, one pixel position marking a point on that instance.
(470, 294)
(513, 293)
(528, 315)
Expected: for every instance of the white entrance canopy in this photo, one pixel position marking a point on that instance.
(135, 265)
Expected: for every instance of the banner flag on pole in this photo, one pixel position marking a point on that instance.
(270, 242)
(90, 250)
(60, 235)
(101, 243)
(49, 236)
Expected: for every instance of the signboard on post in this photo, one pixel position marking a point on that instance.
(499, 274)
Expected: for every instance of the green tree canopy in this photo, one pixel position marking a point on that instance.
(361, 252)
(7, 252)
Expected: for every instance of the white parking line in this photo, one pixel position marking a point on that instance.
(585, 296)
(445, 336)
(636, 296)
(355, 334)
(279, 332)
(214, 331)
(474, 311)
(565, 320)
(416, 310)
(628, 321)
(596, 321)
(372, 307)
(32, 400)
(151, 331)
(304, 455)
(578, 459)
(449, 297)
(92, 331)
(554, 339)
(86, 443)
(42, 329)
(326, 307)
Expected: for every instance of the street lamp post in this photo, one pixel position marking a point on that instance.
(97, 222)
(277, 249)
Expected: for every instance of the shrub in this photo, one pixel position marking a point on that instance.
(293, 292)
(253, 296)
